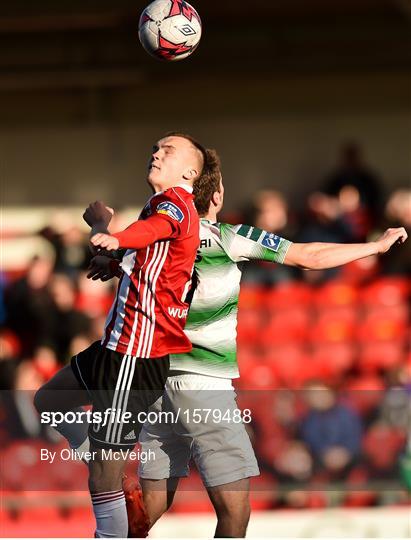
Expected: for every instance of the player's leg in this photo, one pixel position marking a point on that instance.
(127, 387)
(232, 506)
(63, 393)
(107, 496)
(170, 455)
(221, 447)
(158, 496)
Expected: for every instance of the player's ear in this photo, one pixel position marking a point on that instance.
(190, 174)
(216, 198)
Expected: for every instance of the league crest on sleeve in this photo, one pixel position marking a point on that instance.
(170, 209)
(271, 241)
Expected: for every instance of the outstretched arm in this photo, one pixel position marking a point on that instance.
(319, 255)
(136, 236)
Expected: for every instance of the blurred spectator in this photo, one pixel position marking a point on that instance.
(363, 184)
(18, 418)
(294, 463)
(67, 321)
(323, 223)
(382, 446)
(9, 353)
(29, 305)
(269, 211)
(70, 245)
(332, 431)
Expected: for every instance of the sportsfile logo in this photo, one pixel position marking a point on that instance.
(171, 210)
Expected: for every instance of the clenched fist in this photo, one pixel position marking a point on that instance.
(98, 213)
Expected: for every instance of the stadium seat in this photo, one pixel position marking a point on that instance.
(290, 364)
(383, 355)
(335, 294)
(287, 325)
(387, 291)
(381, 326)
(359, 272)
(284, 295)
(251, 297)
(259, 377)
(250, 325)
(335, 327)
(331, 361)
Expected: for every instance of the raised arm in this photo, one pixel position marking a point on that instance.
(319, 255)
(136, 236)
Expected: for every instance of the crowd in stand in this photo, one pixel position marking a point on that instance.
(312, 432)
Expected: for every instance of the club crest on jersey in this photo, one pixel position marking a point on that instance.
(271, 241)
(170, 209)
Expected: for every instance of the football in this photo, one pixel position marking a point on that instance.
(169, 29)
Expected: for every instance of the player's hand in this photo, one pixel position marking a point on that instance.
(98, 213)
(391, 237)
(100, 268)
(105, 241)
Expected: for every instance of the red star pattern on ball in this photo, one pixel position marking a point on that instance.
(179, 7)
(168, 50)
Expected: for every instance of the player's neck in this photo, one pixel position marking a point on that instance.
(211, 215)
(162, 186)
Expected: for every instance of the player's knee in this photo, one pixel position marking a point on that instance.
(104, 475)
(237, 511)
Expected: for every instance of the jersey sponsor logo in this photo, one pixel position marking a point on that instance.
(205, 243)
(178, 313)
(271, 241)
(170, 209)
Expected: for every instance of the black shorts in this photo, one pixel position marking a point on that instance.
(119, 384)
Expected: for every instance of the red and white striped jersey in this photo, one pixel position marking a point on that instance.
(149, 312)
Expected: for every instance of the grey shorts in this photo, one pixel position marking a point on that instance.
(203, 422)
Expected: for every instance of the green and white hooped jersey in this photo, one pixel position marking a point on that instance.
(212, 320)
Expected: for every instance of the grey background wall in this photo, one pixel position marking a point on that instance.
(81, 103)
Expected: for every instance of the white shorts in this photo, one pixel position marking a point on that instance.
(206, 426)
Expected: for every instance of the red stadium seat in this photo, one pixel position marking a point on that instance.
(331, 360)
(381, 355)
(286, 295)
(361, 271)
(251, 297)
(387, 291)
(259, 377)
(287, 325)
(290, 365)
(381, 326)
(250, 325)
(336, 294)
(334, 327)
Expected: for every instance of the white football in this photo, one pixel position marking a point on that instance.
(170, 29)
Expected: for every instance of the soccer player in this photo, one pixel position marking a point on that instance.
(127, 370)
(202, 378)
